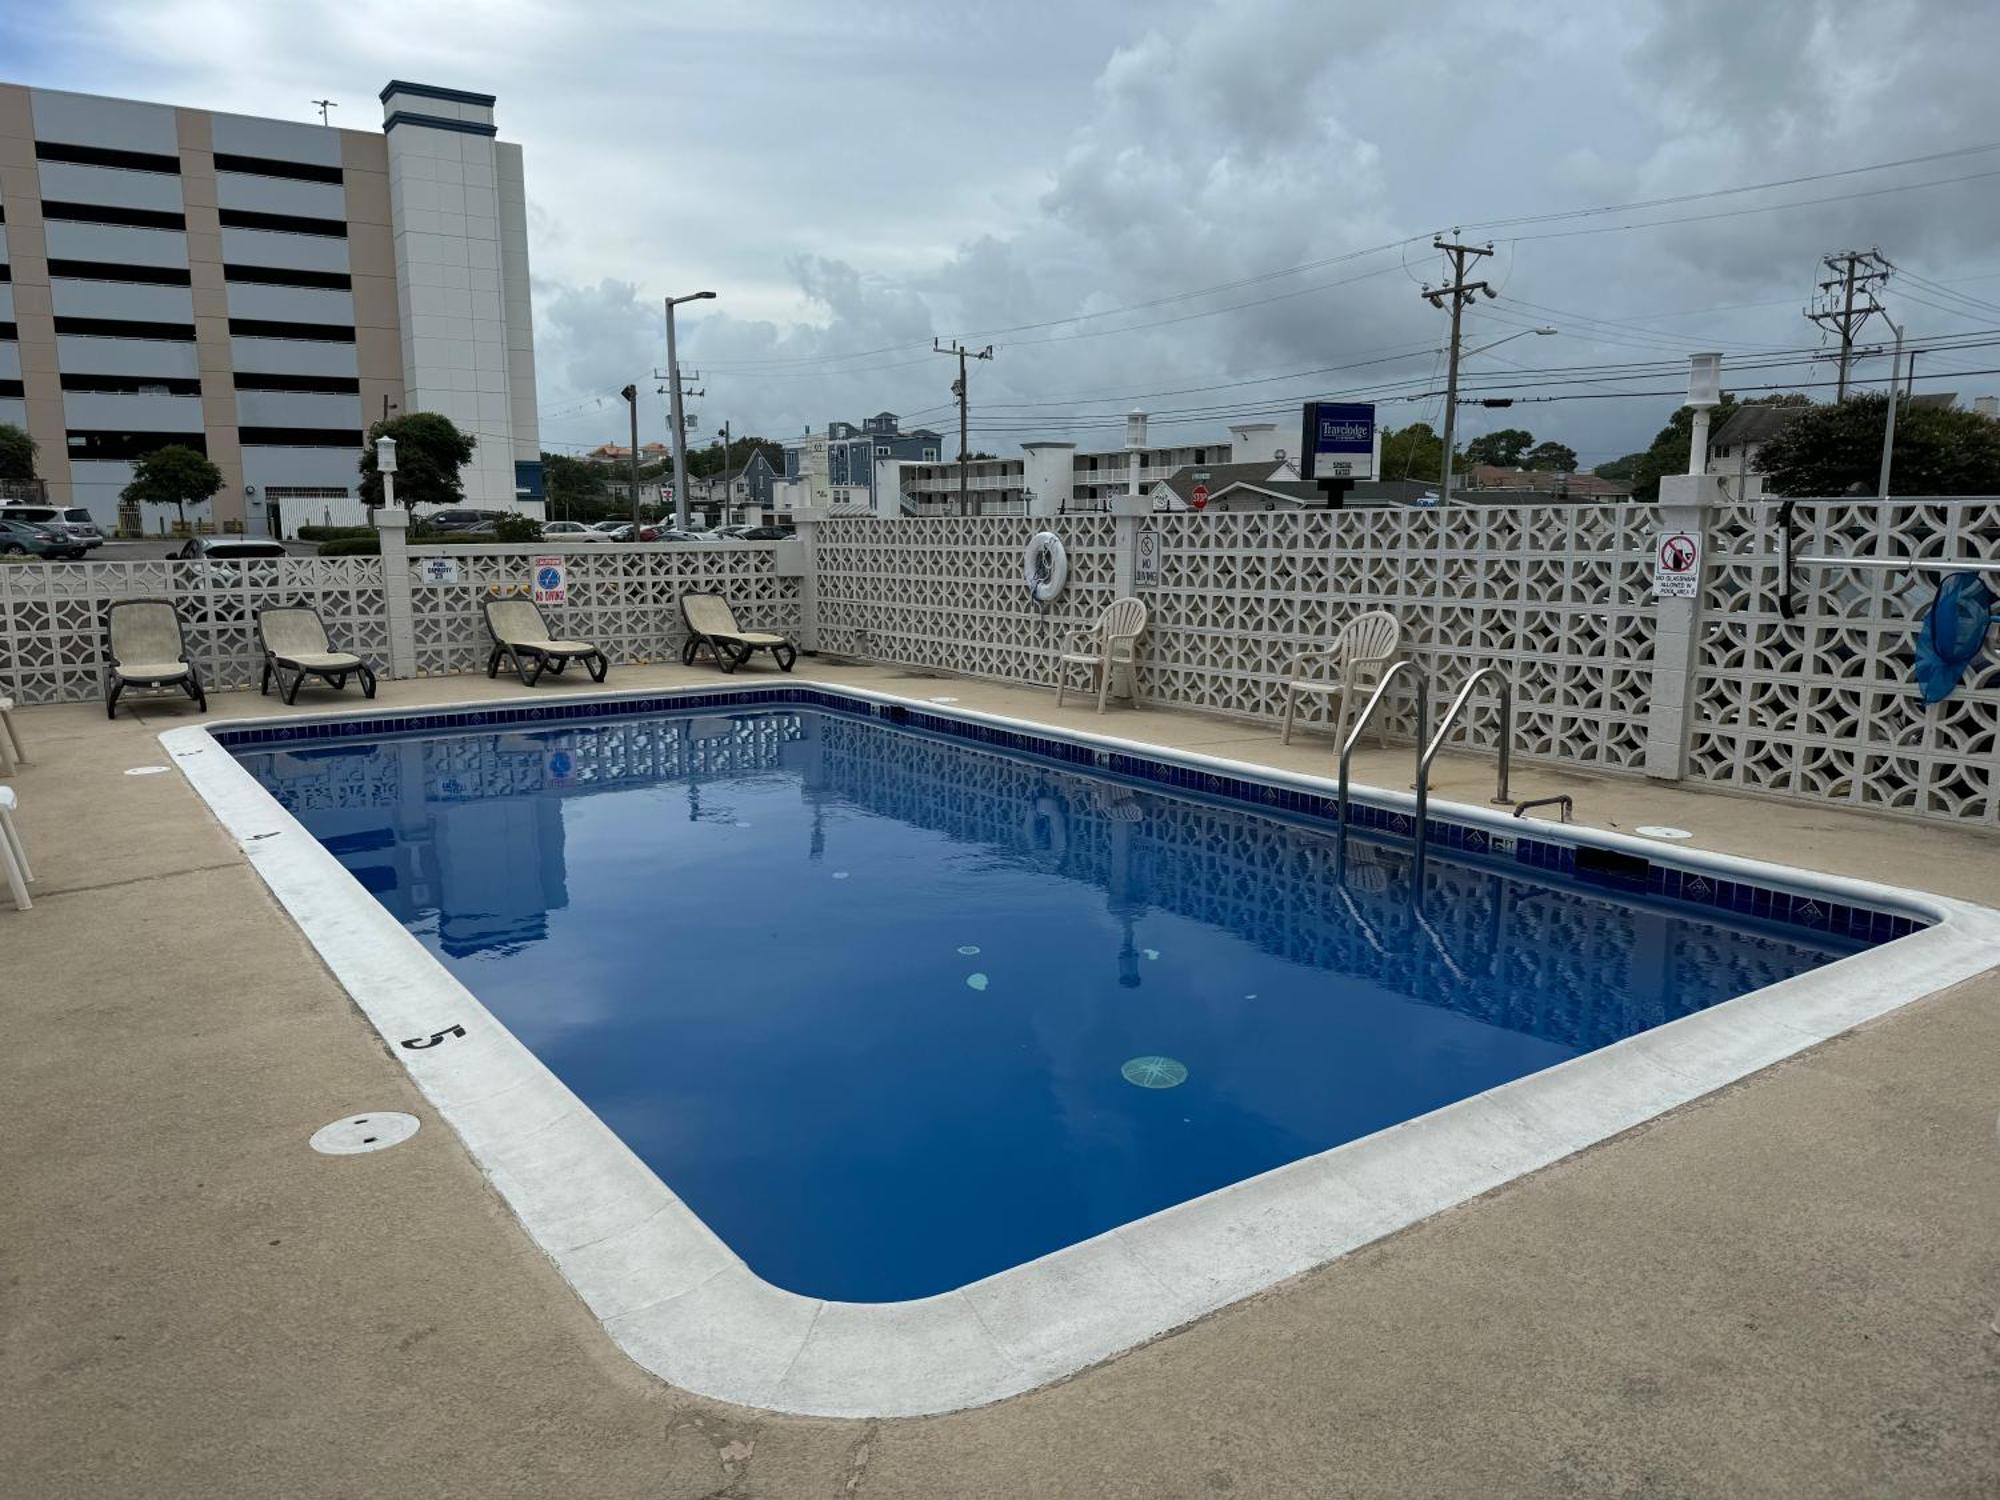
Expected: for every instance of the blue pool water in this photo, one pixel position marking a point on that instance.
(893, 1012)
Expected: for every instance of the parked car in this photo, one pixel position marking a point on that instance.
(726, 533)
(69, 520)
(571, 531)
(458, 519)
(229, 549)
(19, 539)
(767, 533)
(621, 531)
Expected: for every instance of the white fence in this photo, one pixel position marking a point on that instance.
(624, 598)
(52, 616)
(1720, 689)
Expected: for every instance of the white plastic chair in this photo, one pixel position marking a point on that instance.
(11, 753)
(1349, 668)
(1111, 643)
(12, 856)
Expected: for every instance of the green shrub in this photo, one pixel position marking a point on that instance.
(352, 546)
(333, 533)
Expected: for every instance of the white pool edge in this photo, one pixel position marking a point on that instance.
(686, 1308)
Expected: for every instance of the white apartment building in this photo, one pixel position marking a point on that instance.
(1051, 478)
(262, 290)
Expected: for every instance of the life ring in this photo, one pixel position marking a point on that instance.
(1045, 566)
(1046, 827)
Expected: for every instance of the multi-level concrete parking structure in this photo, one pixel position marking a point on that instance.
(262, 290)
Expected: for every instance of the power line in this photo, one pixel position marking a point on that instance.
(746, 366)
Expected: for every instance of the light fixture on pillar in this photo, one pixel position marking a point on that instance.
(1704, 395)
(385, 465)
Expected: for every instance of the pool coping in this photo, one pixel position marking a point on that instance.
(682, 1305)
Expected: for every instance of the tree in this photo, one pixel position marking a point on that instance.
(1669, 451)
(17, 453)
(575, 488)
(706, 462)
(1504, 447)
(1413, 452)
(430, 450)
(175, 475)
(1837, 448)
(1547, 456)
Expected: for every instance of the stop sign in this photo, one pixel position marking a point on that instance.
(1200, 496)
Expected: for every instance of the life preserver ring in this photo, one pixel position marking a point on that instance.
(1045, 566)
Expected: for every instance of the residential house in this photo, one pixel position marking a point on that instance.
(1489, 484)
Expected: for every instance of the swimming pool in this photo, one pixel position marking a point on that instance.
(914, 1021)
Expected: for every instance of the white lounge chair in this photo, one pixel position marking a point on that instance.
(13, 857)
(1349, 668)
(295, 640)
(144, 646)
(1111, 643)
(521, 634)
(711, 626)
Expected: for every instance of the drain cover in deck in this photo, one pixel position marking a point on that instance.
(375, 1131)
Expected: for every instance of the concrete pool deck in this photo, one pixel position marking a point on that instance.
(1783, 1288)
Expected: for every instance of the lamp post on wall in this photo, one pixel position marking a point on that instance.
(385, 465)
(680, 431)
(1704, 395)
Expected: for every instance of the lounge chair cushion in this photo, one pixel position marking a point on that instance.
(138, 669)
(554, 648)
(318, 661)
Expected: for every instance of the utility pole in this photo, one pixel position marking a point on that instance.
(1460, 291)
(1855, 274)
(724, 476)
(958, 389)
(324, 106)
(1889, 420)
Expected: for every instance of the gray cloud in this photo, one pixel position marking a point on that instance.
(853, 180)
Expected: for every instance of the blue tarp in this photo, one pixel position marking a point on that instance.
(1952, 635)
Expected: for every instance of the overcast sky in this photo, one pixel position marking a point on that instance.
(853, 180)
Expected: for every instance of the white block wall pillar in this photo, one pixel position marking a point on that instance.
(392, 526)
(1688, 502)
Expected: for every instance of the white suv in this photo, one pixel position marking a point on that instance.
(67, 520)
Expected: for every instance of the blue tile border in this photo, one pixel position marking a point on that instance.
(1663, 881)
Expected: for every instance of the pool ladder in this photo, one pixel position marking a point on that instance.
(1431, 744)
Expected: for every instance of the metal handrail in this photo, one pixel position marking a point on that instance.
(1367, 713)
(1451, 714)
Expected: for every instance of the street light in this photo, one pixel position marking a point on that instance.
(1450, 416)
(680, 432)
(1542, 332)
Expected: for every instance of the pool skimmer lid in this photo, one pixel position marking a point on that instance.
(375, 1131)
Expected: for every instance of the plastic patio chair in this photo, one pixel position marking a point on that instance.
(13, 857)
(711, 623)
(520, 633)
(144, 646)
(1111, 643)
(294, 640)
(11, 753)
(1350, 667)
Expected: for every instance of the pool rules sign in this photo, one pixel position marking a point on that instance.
(1677, 565)
(551, 581)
